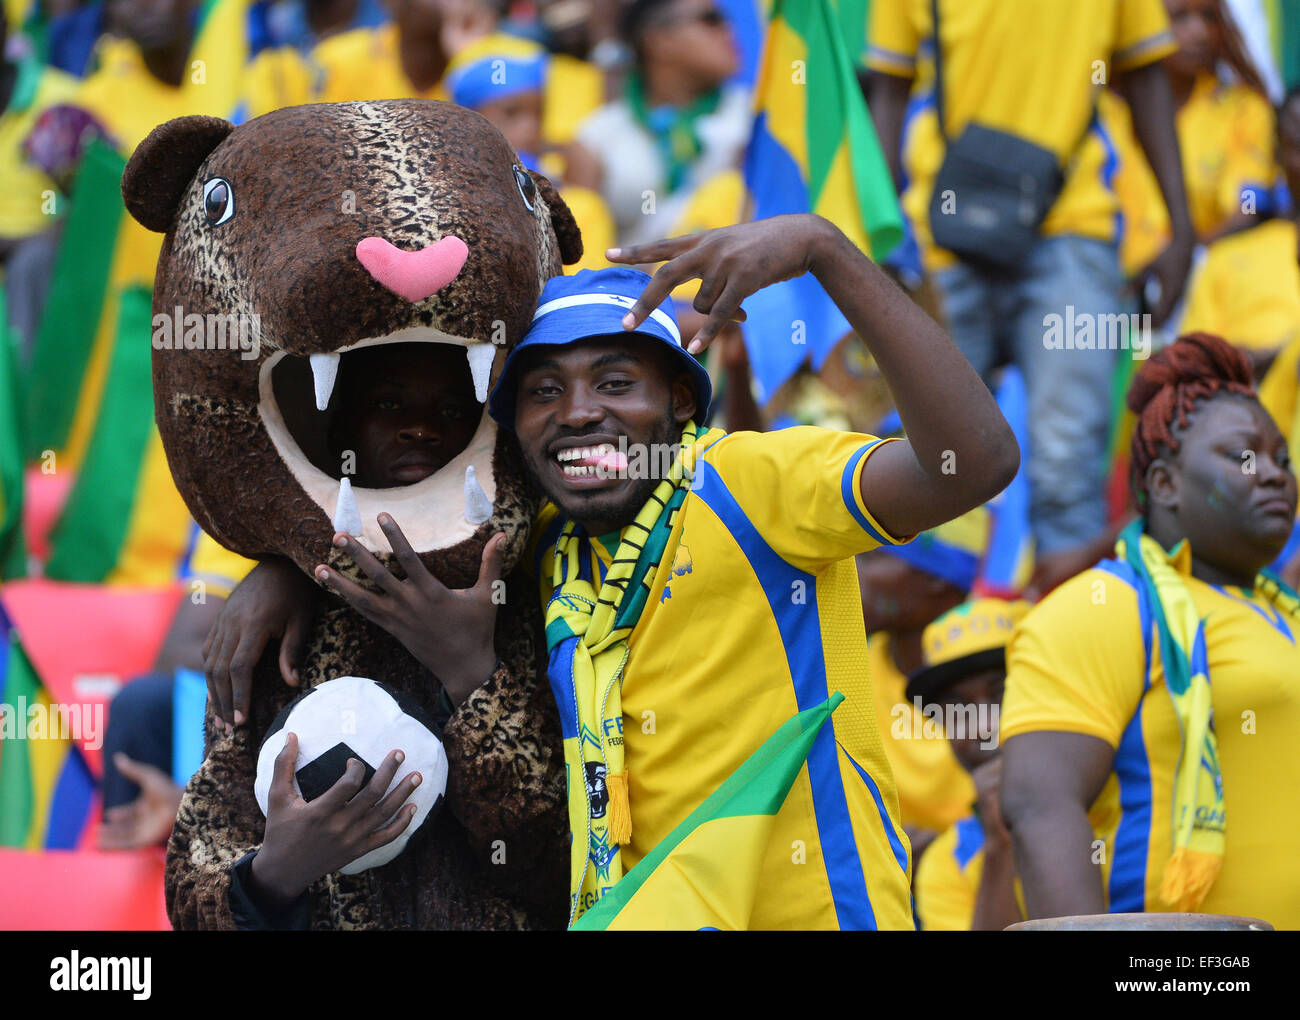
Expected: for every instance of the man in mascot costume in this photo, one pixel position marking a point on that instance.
(295, 245)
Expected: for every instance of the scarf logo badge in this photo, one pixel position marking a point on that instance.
(597, 793)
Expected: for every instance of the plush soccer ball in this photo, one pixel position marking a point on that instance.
(352, 717)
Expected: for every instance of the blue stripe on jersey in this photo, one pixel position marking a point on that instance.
(801, 637)
(970, 840)
(887, 823)
(1126, 892)
(850, 499)
(1275, 621)
(1128, 872)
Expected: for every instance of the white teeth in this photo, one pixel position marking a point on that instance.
(347, 518)
(480, 365)
(478, 508)
(324, 370)
(582, 452)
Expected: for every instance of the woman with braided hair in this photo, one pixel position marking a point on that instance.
(1152, 702)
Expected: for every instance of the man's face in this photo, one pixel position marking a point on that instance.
(406, 411)
(983, 691)
(580, 404)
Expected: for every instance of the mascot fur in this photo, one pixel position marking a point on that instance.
(303, 186)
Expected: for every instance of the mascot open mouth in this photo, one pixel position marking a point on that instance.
(454, 491)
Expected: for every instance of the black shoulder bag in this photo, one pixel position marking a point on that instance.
(993, 189)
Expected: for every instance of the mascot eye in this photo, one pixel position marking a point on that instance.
(527, 186)
(218, 201)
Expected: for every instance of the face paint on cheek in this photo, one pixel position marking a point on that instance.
(1218, 497)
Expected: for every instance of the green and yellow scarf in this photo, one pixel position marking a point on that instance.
(587, 633)
(1199, 816)
(675, 130)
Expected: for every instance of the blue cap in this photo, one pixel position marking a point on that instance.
(592, 303)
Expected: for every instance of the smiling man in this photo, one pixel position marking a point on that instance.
(689, 614)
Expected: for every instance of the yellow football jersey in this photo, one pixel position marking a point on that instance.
(1225, 138)
(755, 614)
(1086, 660)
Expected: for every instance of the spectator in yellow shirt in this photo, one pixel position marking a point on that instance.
(1046, 95)
(1225, 138)
(966, 879)
(505, 78)
(1100, 672)
(27, 88)
(142, 74)
(1225, 130)
(1247, 289)
(404, 59)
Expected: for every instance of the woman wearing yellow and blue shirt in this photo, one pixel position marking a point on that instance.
(1151, 705)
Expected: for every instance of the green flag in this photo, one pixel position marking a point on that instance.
(705, 872)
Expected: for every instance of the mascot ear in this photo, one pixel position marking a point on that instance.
(562, 221)
(163, 165)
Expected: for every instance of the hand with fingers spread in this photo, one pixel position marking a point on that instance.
(450, 631)
(731, 264)
(305, 841)
(275, 600)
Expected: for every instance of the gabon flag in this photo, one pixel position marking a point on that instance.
(123, 521)
(812, 149)
(47, 792)
(75, 338)
(704, 873)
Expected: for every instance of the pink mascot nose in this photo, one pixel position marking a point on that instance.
(413, 275)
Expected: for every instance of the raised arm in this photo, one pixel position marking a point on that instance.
(960, 451)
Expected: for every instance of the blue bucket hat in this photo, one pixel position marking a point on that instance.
(592, 303)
